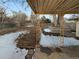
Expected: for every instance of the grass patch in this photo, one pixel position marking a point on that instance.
(7, 25)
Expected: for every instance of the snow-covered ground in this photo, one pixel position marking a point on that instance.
(54, 41)
(8, 49)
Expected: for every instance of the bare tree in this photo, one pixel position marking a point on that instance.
(20, 19)
(2, 15)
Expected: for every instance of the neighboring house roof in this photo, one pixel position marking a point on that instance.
(72, 16)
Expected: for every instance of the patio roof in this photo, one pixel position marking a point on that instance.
(54, 6)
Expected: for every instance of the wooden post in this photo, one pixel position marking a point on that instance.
(38, 32)
(55, 20)
(61, 28)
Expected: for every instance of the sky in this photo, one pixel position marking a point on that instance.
(16, 5)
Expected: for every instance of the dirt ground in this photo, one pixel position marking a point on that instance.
(54, 55)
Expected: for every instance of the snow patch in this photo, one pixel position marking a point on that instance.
(54, 41)
(47, 30)
(8, 49)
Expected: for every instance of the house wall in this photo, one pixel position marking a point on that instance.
(77, 29)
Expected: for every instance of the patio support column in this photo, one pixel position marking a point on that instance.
(61, 28)
(55, 19)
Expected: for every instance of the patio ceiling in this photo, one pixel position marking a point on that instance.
(54, 6)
